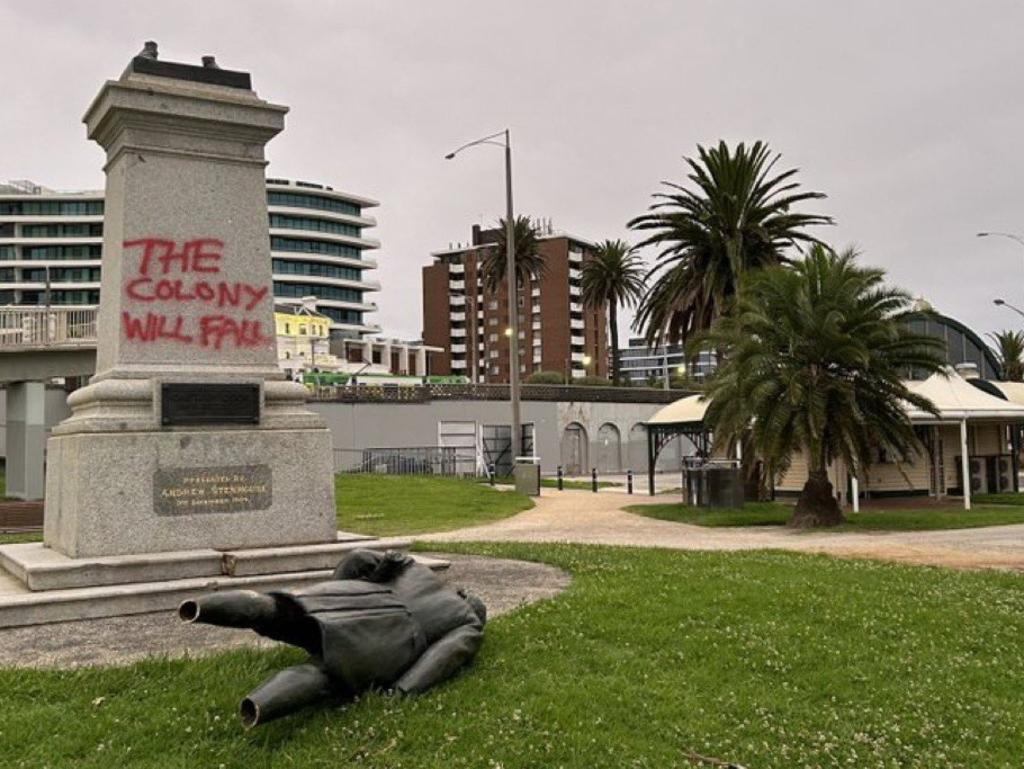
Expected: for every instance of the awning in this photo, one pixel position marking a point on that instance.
(688, 410)
(957, 399)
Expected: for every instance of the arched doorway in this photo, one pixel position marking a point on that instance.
(637, 448)
(609, 449)
(574, 449)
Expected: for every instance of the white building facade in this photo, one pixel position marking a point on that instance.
(51, 246)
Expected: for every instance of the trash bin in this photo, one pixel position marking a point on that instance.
(527, 475)
(714, 485)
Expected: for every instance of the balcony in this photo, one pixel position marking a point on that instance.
(458, 349)
(458, 364)
(576, 307)
(536, 325)
(458, 332)
(536, 292)
(457, 300)
(574, 290)
(576, 356)
(457, 317)
(577, 339)
(575, 257)
(576, 323)
(457, 269)
(457, 284)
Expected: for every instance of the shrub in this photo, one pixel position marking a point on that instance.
(546, 377)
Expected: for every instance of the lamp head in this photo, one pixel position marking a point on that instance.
(449, 156)
(998, 302)
(983, 234)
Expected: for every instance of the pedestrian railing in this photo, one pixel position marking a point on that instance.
(448, 461)
(420, 393)
(33, 328)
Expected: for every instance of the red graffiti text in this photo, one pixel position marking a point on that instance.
(180, 275)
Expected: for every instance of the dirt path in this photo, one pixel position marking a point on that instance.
(585, 517)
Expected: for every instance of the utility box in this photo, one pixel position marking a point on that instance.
(527, 475)
(714, 485)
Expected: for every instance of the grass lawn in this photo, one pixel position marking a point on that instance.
(1006, 498)
(767, 659)
(389, 505)
(776, 514)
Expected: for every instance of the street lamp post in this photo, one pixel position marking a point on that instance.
(510, 275)
(1010, 235)
(1003, 303)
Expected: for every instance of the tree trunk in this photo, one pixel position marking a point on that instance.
(613, 328)
(817, 505)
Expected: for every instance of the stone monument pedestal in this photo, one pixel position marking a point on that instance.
(189, 462)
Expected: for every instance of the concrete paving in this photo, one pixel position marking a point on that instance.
(502, 584)
(586, 517)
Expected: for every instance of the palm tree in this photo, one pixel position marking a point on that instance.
(1009, 351)
(529, 262)
(737, 218)
(613, 276)
(813, 357)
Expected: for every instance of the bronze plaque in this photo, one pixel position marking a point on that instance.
(202, 403)
(231, 489)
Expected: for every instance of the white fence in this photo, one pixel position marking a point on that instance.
(23, 328)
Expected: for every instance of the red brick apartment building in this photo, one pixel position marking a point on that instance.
(468, 322)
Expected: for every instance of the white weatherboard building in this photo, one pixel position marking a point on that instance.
(51, 248)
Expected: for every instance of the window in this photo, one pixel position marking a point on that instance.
(300, 200)
(76, 230)
(350, 317)
(302, 330)
(62, 252)
(492, 321)
(490, 337)
(315, 269)
(299, 290)
(304, 246)
(492, 305)
(282, 221)
(287, 328)
(51, 207)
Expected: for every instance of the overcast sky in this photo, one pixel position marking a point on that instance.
(909, 115)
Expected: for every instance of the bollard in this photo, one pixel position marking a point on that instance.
(593, 478)
(560, 476)
(629, 481)
(490, 471)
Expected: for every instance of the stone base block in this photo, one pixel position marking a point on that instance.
(161, 580)
(125, 493)
(42, 568)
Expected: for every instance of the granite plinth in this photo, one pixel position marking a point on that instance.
(19, 606)
(129, 493)
(39, 567)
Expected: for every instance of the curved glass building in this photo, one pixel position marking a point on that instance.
(51, 249)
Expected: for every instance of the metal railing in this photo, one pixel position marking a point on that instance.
(446, 461)
(23, 328)
(493, 392)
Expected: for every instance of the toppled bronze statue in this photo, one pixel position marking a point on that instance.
(382, 621)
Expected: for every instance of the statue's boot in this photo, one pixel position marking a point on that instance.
(231, 608)
(284, 693)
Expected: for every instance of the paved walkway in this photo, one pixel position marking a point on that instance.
(585, 517)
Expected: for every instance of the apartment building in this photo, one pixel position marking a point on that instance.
(51, 246)
(471, 324)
